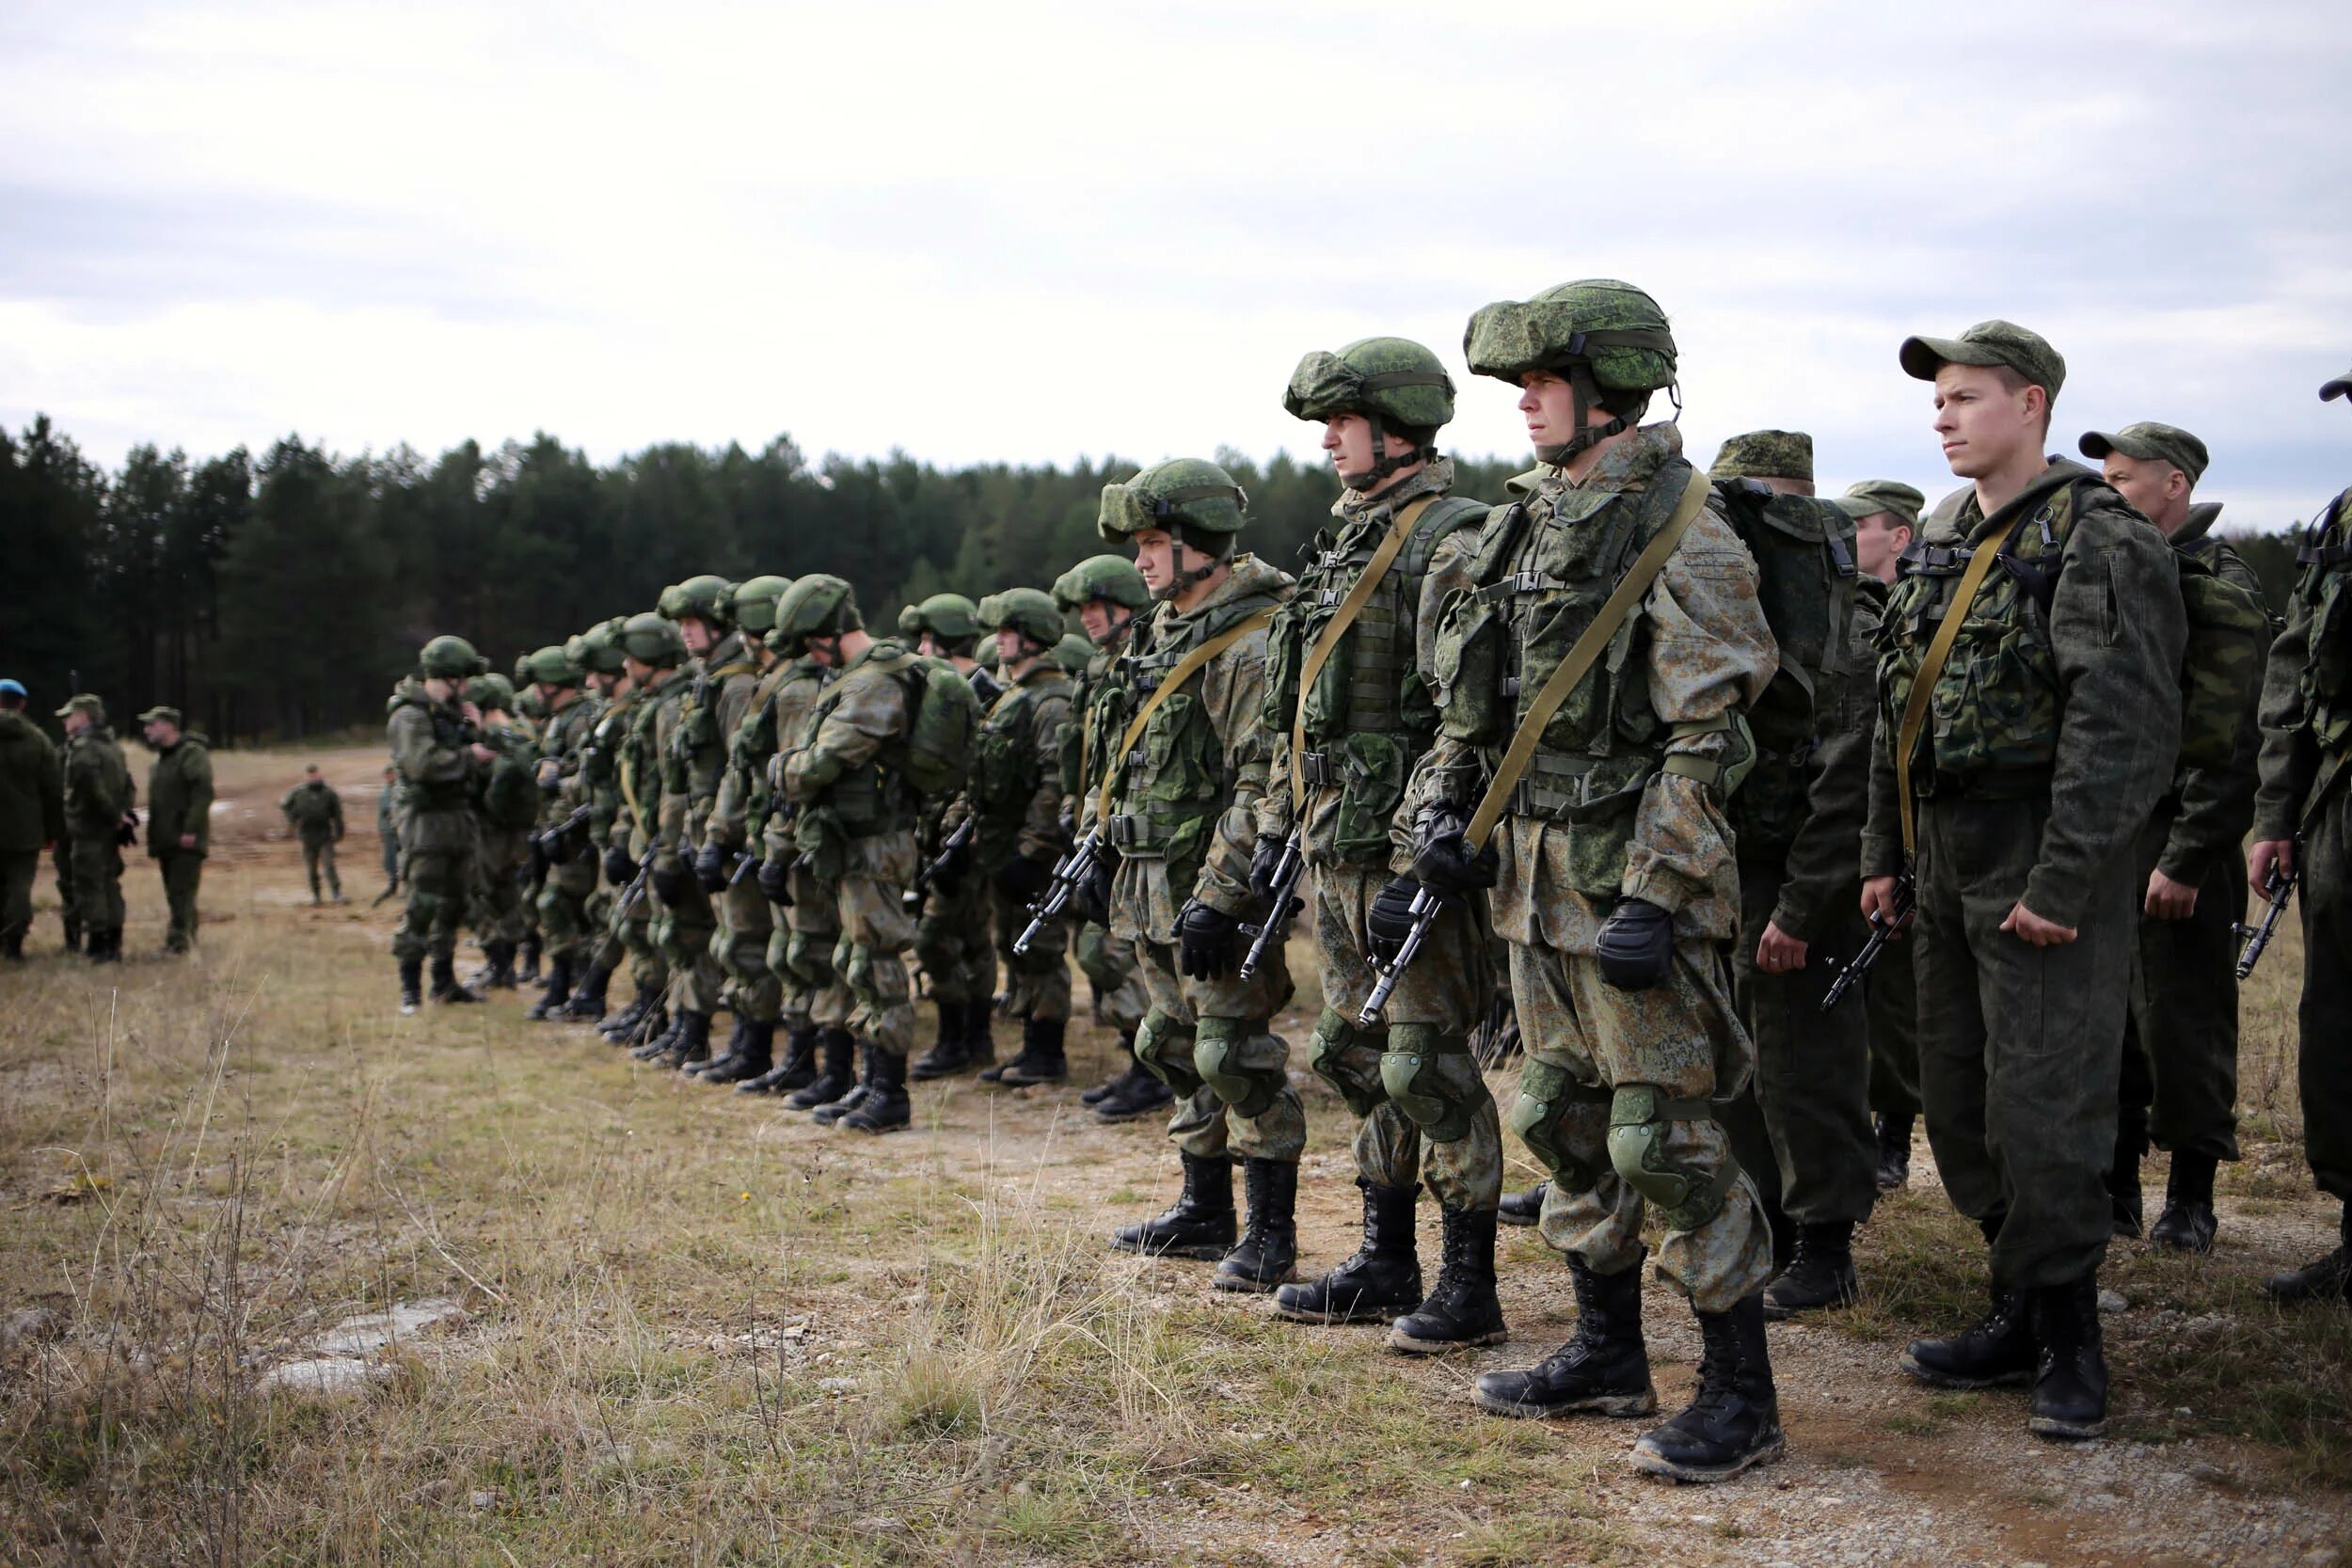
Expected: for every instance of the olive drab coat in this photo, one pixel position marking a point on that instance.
(180, 798)
(98, 788)
(315, 809)
(32, 790)
(1016, 789)
(431, 746)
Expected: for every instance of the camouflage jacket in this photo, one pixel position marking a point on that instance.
(1085, 749)
(1015, 787)
(597, 784)
(2080, 705)
(1694, 651)
(431, 746)
(563, 742)
(180, 798)
(1184, 803)
(788, 713)
(841, 773)
(931, 817)
(695, 753)
(97, 787)
(1822, 867)
(510, 798)
(315, 809)
(743, 782)
(2212, 808)
(1371, 714)
(32, 803)
(2307, 682)
(659, 789)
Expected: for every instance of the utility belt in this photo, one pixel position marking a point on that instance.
(2006, 783)
(1569, 788)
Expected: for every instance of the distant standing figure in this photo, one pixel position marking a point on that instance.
(32, 814)
(316, 813)
(180, 816)
(388, 831)
(98, 821)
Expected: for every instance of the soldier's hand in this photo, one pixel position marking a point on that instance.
(1443, 861)
(618, 868)
(2168, 900)
(1636, 945)
(710, 868)
(775, 882)
(1205, 940)
(1878, 903)
(1391, 918)
(2272, 855)
(669, 884)
(2031, 927)
(1778, 952)
(482, 753)
(1265, 860)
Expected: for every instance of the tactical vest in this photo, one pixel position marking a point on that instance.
(1093, 729)
(600, 755)
(2323, 589)
(1544, 567)
(872, 798)
(510, 796)
(1173, 786)
(452, 732)
(1006, 771)
(649, 765)
(697, 752)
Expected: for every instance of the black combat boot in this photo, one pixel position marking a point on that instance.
(950, 1054)
(2187, 1223)
(724, 1057)
(1462, 1311)
(753, 1055)
(587, 1003)
(2131, 1146)
(623, 1026)
(1109, 1087)
(529, 972)
(2329, 1278)
(72, 937)
(1820, 1274)
(834, 1079)
(498, 970)
(1199, 1224)
(1267, 1253)
(1137, 1092)
(658, 1043)
(411, 985)
(855, 1095)
(13, 947)
(884, 1109)
(1603, 1369)
(105, 947)
(1525, 1208)
(690, 1046)
(1733, 1420)
(796, 1071)
(1380, 1282)
(2070, 1380)
(559, 991)
(1894, 1152)
(1041, 1060)
(1995, 1350)
(445, 986)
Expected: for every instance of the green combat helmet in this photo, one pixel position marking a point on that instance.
(817, 606)
(652, 637)
(1399, 386)
(1075, 652)
(597, 649)
(1112, 578)
(451, 658)
(1196, 502)
(756, 604)
(491, 692)
(1030, 611)
(550, 665)
(1608, 339)
(952, 618)
(707, 599)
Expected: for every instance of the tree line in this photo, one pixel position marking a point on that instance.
(280, 597)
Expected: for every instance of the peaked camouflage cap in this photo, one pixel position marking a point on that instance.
(652, 637)
(160, 714)
(1030, 611)
(708, 598)
(2340, 387)
(84, 702)
(950, 617)
(551, 666)
(451, 658)
(1890, 495)
(818, 605)
(1765, 454)
(491, 692)
(1615, 328)
(1102, 577)
(2150, 442)
(1395, 378)
(756, 603)
(1183, 494)
(1992, 342)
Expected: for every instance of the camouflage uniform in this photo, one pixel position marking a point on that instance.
(31, 818)
(1107, 962)
(800, 949)
(508, 810)
(180, 805)
(717, 691)
(430, 743)
(635, 820)
(745, 941)
(97, 791)
(316, 812)
(1016, 794)
(388, 832)
(565, 920)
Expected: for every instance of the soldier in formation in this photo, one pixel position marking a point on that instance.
(952, 934)
(315, 811)
(98, 800)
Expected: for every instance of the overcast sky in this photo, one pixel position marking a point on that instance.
(1032, 231)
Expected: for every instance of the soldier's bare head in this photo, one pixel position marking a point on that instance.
(1879, 542)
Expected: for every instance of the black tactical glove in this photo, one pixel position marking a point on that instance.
(1205, 940)
(1264, 863)
(1391, 918)
(127, 830)
(1022, 879)
(669, 885)
(1636, 945)
(710, 867)
(775, 882)
(618, 867)
(1090, 900)
(1442, 861)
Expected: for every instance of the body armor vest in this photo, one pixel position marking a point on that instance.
(1005, 773)
(871, 797)
(451, 732)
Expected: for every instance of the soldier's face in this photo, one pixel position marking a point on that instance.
(438, 689)
(930, 646)
(697, 634)
(76, 721)
(2154, 489)
(1878, 540)
(1347, 442)
(1008, 649)
(1156, 558)
(1101, 617)
(638, 669)
(1982, 424)
(1548, 406)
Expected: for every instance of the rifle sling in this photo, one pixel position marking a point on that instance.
(1931, 669)
(1374, 572)
(1185, 669)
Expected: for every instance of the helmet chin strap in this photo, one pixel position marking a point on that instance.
(1186, 580)
(1585, 394)
(1385, 464)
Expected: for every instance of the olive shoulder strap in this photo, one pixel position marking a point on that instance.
(1931, 669)
(1367, 583)
(1185, 669)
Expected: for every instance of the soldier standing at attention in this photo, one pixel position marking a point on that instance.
(2302, 824)
(315, 812)
(569, 867)
(1611, 861)
(659, 661)
(179, 818)
(508, 810)
(2056, 723)
(98, 801)
(440, 759)
(951, 933)
(32, 814)
(2180, 1054)
(1106, 593)
(1178, 815)
(855, 830)
(388, 831)
(1345, 736)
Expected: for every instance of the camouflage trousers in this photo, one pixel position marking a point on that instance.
(1890, 1000)
(1108, 964)
(800, 953)
(17, 871)
(437, 882)
(62, 859)
(1037, 983)
(182, 874)
(740, 947)
(629, 923)
(1423, 1108)
(94, 902)
(391, 845)
(500, 854)
(951, 941)
(2180, 1045)
(318, 864)
(681, 930)
(565, 920)
(1614, 1099)
(876, 932)
(1212, 1042)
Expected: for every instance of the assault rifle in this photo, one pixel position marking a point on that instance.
(938, 865)
(1426, 907)
(2280, 891)
(1072, 869)
(1882, 932)
(1283, 904)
